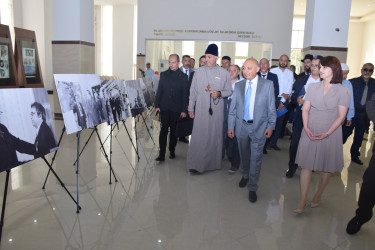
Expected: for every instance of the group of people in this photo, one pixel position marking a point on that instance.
(250, 106)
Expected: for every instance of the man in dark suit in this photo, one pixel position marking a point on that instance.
(264, 65)
(9, 144)
(363, 88)
(171, 101)
(45, 140)
(79, 110)
(297, 100)
(252, 117)
(366, 201)
(185, 68)
(306, 65)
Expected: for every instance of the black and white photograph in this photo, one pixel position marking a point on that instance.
(26, 126)
(79, 101)
(114, 97)
(148, 91)
(155, 82)
(4, 61)
(135, 96)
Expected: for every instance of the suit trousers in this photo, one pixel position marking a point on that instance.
(296, 136)
(251, 152)
(358, 123)
(278, 128)
(366, 199)
(168, 120)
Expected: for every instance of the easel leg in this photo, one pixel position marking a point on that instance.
(87, 141)
(58, 178)
(106, 156)
(78, 154)
(54, 157)
(4, 203)
(144, 121)
(131, 140)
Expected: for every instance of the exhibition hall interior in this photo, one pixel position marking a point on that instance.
(80, 164)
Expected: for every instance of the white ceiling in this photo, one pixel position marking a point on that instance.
(359, 9)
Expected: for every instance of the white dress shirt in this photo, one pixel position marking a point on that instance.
(254, 85)
(285, 81)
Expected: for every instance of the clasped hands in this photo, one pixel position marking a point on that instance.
(313, 137)
(182, 115)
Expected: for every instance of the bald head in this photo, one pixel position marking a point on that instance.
(250, 69)
(264, 65)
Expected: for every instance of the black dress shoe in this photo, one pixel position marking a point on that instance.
(183, 139)
(252, 196)
(275, 147)
(354, 226)
(172, 155)
(160, 158)
(289, 173)
(243, 182)
(357, 160)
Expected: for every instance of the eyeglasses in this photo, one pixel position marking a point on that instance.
(368, 70)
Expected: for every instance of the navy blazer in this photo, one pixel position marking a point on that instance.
(273, 77)
(358, 87)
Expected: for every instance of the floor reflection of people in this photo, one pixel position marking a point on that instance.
(45, 140)
(9, 144)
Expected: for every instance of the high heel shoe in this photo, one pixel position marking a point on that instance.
(313, 205)
(300, 211)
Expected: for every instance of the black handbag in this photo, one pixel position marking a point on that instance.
(184, 127)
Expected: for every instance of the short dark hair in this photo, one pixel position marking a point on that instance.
(185, 56)
(178, 58)
(204, 56)
(40, 110)
(335, 65)
(226, 58)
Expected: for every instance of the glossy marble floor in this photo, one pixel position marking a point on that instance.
(162, 206)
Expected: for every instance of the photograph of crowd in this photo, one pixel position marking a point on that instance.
(26, 126)
(114, 97)
(135, 96)
(81, 105)
(4, 61)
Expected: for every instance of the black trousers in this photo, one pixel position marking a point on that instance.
(168, 120)
(358, 124)
(296, 135)
(366, 200)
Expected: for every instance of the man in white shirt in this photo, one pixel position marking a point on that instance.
(285, 77)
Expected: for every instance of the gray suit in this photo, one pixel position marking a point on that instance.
(251, 137)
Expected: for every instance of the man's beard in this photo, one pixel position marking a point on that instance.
(281, 66)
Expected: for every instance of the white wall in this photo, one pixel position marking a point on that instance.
(322, 18)
(355, 43)
(264, 18)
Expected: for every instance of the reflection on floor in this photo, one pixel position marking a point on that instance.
(161, 206)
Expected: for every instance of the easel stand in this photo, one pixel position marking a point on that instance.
(144, 121)
(4, 203)
(111, 172)
(131, 140)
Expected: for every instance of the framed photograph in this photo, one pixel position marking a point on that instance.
(114, 97)
(135, 96)
(27, 59)
(8, 75)
(26, 126)
(80, 101)
(148, 91)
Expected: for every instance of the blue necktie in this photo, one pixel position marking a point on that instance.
(247, 103)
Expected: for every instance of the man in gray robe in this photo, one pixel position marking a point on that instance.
(206, 105)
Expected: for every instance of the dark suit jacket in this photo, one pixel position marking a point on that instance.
(297, 87)
(9, 144)
(172, 92)
(370, 109)
(44, 141)
(81, 117)
(273, 77)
